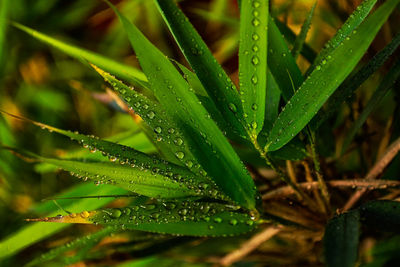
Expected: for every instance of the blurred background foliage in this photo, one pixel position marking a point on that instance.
(44, 84)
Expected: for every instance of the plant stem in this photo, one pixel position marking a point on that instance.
(321, 182)
(302, 195)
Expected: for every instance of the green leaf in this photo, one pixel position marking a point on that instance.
(253, 62)
(180, 218)
(82, 244)
(382, 215)
(387, 83)
(4, 6)
(34, 232)
(301, 38)
(341, 240)
(209, 145)
(345, 31)
(152, 178)
(124, 71)
(351, 84)
(326, 78)
(166, 134)
(308, 53)
(272, 100)
(281, 62)
(218, 85)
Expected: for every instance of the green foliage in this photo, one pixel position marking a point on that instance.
(341, 240)
(196, 158)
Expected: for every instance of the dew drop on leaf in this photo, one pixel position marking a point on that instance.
(180, 155)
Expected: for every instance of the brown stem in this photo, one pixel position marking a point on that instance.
(356, 183)
(376, 170)
(250, 245)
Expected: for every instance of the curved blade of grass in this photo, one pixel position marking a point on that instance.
(4, 6)
(214, 79)
(85, 243)
(154, 183)
(35, 232)
(272, 100)
(301, 38)
(387, 83)
(134, 139)
(136, 160)
(281, 62)
(308, 53)
(182, 218)
(204, 98)
(209, 145)
(341, 240)
(351, 84)
(164, 130)
(355, 19)
(382, 215)
(126, 72)
(253, 62)
(325, 79)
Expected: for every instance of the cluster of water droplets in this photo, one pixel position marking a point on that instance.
(170, 212)
(145, 164)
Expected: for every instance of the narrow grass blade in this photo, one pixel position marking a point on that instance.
(308, 53)
(209, 145)
(272, 100)
(206, 101)
(84, 243)
(301, 38)
(326, 78)
(34, 232)
(341, 240)
(345, 31)
(130, 157)
(126, 72)
(253, 62)
(218, 85)
(381, 215)
(386, 84)
(182, 218)
(154, 183)
(351, 84)
(281, 62)
(4, 6)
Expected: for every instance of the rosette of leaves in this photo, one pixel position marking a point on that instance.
(198, 184)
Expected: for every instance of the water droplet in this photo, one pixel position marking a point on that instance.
(116, 213)
(254, 125)
(256, 4)
(255, 60)
(151, 115)
(232, 107)
(254, 107)
(254, 79)
(233, 222)
(255, 22)
(217, 220)
(158, 130)
(171, 130)
(178, 141)
(84, 214)
(318, 67)
(255, 36)
(210, 227)
(255, 48)
(180, 155)
(189, 164)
